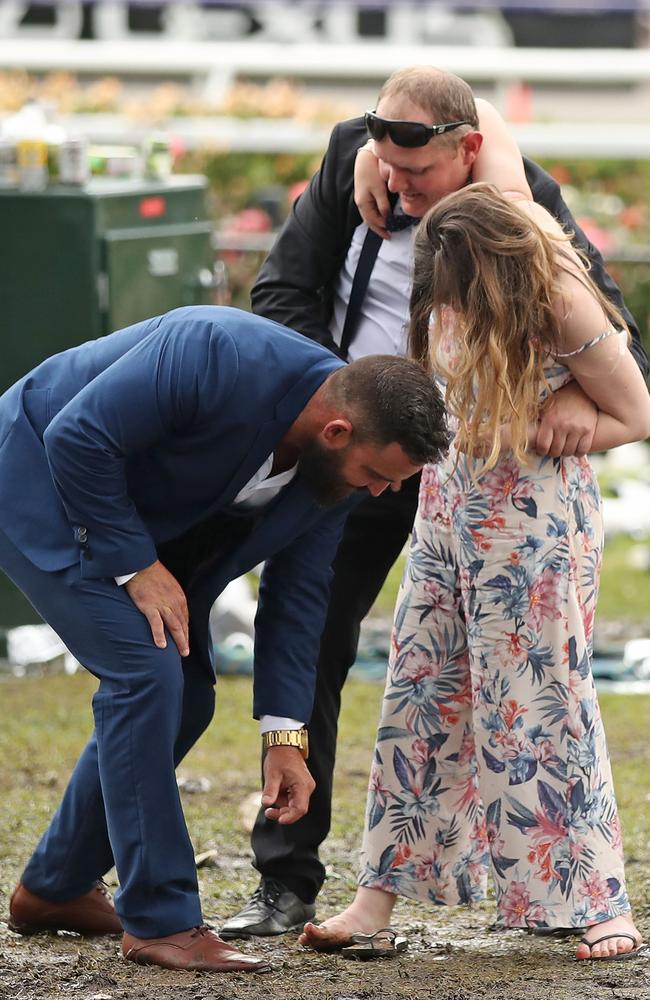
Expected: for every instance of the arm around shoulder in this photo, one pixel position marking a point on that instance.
(602, 363)
(499, 160)
(546, 191)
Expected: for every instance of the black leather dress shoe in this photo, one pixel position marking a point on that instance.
(272, 909)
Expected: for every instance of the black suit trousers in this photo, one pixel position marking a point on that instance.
(374, 536)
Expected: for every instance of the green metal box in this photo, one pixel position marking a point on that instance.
(78, 263)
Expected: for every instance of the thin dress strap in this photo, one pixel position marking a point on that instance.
(589, 343)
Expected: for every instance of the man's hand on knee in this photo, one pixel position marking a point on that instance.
(287, 785)
(160, 598)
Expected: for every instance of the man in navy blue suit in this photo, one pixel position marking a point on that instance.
(139, 474)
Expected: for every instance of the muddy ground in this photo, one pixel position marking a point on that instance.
(453, 954)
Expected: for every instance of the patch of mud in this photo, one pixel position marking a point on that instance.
(454, 955)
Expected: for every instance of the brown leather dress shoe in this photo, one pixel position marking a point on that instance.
(93, 913)
(197, 948)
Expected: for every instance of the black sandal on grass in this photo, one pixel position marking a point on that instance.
(384, 943)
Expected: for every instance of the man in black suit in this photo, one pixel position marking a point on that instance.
(330, 278)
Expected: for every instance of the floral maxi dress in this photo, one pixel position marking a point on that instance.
(490, 750)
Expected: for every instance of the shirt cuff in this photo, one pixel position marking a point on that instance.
(269, 722)
(121, 580)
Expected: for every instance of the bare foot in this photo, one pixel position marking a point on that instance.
(368, 912)
(333, 933)
(615, 945)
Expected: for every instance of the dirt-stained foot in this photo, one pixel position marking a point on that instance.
(337, 931)
(629, 940)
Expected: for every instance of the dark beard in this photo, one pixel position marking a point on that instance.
(320, 470)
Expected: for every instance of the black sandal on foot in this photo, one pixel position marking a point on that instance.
(639, 948)
(384, 943)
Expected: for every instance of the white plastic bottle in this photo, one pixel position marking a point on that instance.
(27, 131)
(32, 134)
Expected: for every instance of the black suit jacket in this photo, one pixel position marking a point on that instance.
(295, 283)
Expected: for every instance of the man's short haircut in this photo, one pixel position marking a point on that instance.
(391, 399)
(444, 95)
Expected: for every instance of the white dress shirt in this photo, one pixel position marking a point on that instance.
(384, 316)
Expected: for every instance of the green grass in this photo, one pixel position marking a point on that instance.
(624, 589)
(45, 721)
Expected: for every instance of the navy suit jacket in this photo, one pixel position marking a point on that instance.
(111, 448)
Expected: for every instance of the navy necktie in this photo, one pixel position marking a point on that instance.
(396, 222)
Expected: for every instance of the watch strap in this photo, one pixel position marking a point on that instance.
(297, 738)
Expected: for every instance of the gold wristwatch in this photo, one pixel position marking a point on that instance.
(297, 738)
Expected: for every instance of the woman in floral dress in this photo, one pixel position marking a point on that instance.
(490, 751)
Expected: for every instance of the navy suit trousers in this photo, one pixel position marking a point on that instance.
(122, 804)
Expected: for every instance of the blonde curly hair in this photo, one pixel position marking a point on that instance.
(480, 254)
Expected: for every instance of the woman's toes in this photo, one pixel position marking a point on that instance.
(313, 932)
(607, 948)
(620, 935)
(329, 934)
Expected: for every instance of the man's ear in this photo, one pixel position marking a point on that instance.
(336, 434)
(470, 145)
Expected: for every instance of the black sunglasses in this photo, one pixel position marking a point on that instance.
(407, 134)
